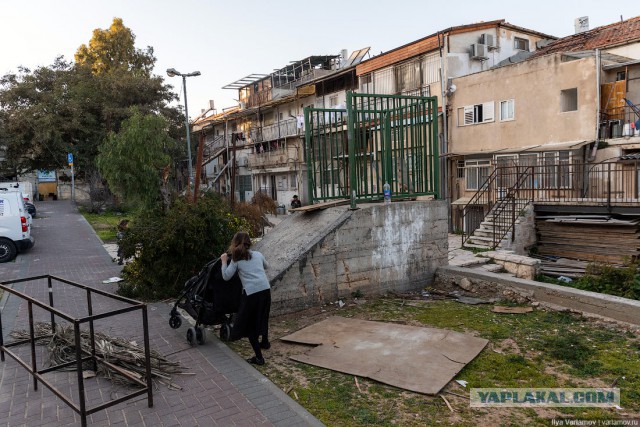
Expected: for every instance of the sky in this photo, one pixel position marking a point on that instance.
(228, 40)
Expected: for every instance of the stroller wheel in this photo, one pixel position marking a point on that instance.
(225, 332)
(201, 335)
(191, 336)
(175, 322)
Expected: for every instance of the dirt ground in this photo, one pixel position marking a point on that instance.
(325, 393)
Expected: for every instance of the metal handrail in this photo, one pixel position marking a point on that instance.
(511, 200)
(479, 199)
(496, 207)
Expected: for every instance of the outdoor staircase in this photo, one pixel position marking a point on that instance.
(496, 227)
(504, 208)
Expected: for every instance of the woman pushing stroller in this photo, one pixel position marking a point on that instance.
(253, 315)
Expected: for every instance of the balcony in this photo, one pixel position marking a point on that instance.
(276, 157)
(283, 129)
(619, 122)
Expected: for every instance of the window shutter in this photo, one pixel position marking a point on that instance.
(488, 112)
(468, 115)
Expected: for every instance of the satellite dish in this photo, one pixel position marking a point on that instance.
(452, 88)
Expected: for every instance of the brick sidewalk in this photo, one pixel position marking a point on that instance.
(222, 388)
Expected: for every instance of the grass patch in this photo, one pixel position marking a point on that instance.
(537, 349)
(105, 224)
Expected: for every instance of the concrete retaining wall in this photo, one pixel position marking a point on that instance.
(486, 284)
(320, 257)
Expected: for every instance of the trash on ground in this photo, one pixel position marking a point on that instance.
(471, 300)
(113, 280)
(414, 358)
(511, 310)
(118, 351)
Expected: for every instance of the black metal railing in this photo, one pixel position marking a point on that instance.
(619, 122)
(82, 356)
(501, 198)
(508, 208)
(510, 188)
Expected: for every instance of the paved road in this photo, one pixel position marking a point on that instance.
(222, 388)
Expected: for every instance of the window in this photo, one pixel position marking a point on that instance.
(474, 114)
(569, 100)
(621, 75)
(507, 110)
(521, 44)
(477, 172)
(366, 83)
(556, 171)
(460, 169)
(294, 183)
(333, 101)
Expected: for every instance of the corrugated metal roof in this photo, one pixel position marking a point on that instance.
(557, 146)
(610, 35)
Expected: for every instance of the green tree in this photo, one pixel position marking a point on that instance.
(72, 108)
(136, 161)
(45, 114)
(169, 247)
(114, 49)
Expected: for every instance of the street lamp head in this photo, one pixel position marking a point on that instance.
(172, 72)
(195, 73)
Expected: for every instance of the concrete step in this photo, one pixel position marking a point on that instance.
(473, 245)
(482, 239)
(493, 268)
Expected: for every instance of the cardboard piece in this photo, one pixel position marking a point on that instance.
(414, 358)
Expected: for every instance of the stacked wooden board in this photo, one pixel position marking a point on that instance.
(562, 267)
(601, 238)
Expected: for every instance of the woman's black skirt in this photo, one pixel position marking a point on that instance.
(252, 316)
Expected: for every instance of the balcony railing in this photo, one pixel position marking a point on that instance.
(276, 157)
(600, 184)
(285, 128)
(619, 122)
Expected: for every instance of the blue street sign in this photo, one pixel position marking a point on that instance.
(70, 159)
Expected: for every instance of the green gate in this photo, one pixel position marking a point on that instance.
(377, 139)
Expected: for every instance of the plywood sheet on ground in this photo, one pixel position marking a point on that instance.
(419, 359)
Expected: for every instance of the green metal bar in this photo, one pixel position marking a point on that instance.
(436, 156)
(351, 141)
(310, 163)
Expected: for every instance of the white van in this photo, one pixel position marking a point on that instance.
(15, 225)
(25, 186)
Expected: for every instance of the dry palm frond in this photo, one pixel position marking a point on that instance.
(120, 352)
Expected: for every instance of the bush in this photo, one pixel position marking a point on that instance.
(170, 247)
(608, 279)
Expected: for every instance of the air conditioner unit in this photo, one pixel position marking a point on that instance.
(487, 39)
(242, 161)
(478, 51)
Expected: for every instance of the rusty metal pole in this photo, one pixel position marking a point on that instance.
(196, 189)
(232, 165)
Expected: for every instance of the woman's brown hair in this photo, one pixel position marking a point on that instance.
(239, 247)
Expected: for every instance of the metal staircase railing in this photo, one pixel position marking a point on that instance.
(506, 210)
(502, 209)
(484, 197)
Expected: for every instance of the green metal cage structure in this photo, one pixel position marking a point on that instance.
(376, 139)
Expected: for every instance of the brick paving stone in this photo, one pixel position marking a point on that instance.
(67, 247)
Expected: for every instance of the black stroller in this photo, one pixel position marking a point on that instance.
(209, 300)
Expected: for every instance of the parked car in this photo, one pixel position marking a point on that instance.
(31, 208)
(15, 225)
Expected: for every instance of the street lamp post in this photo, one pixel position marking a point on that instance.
(172, 72)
